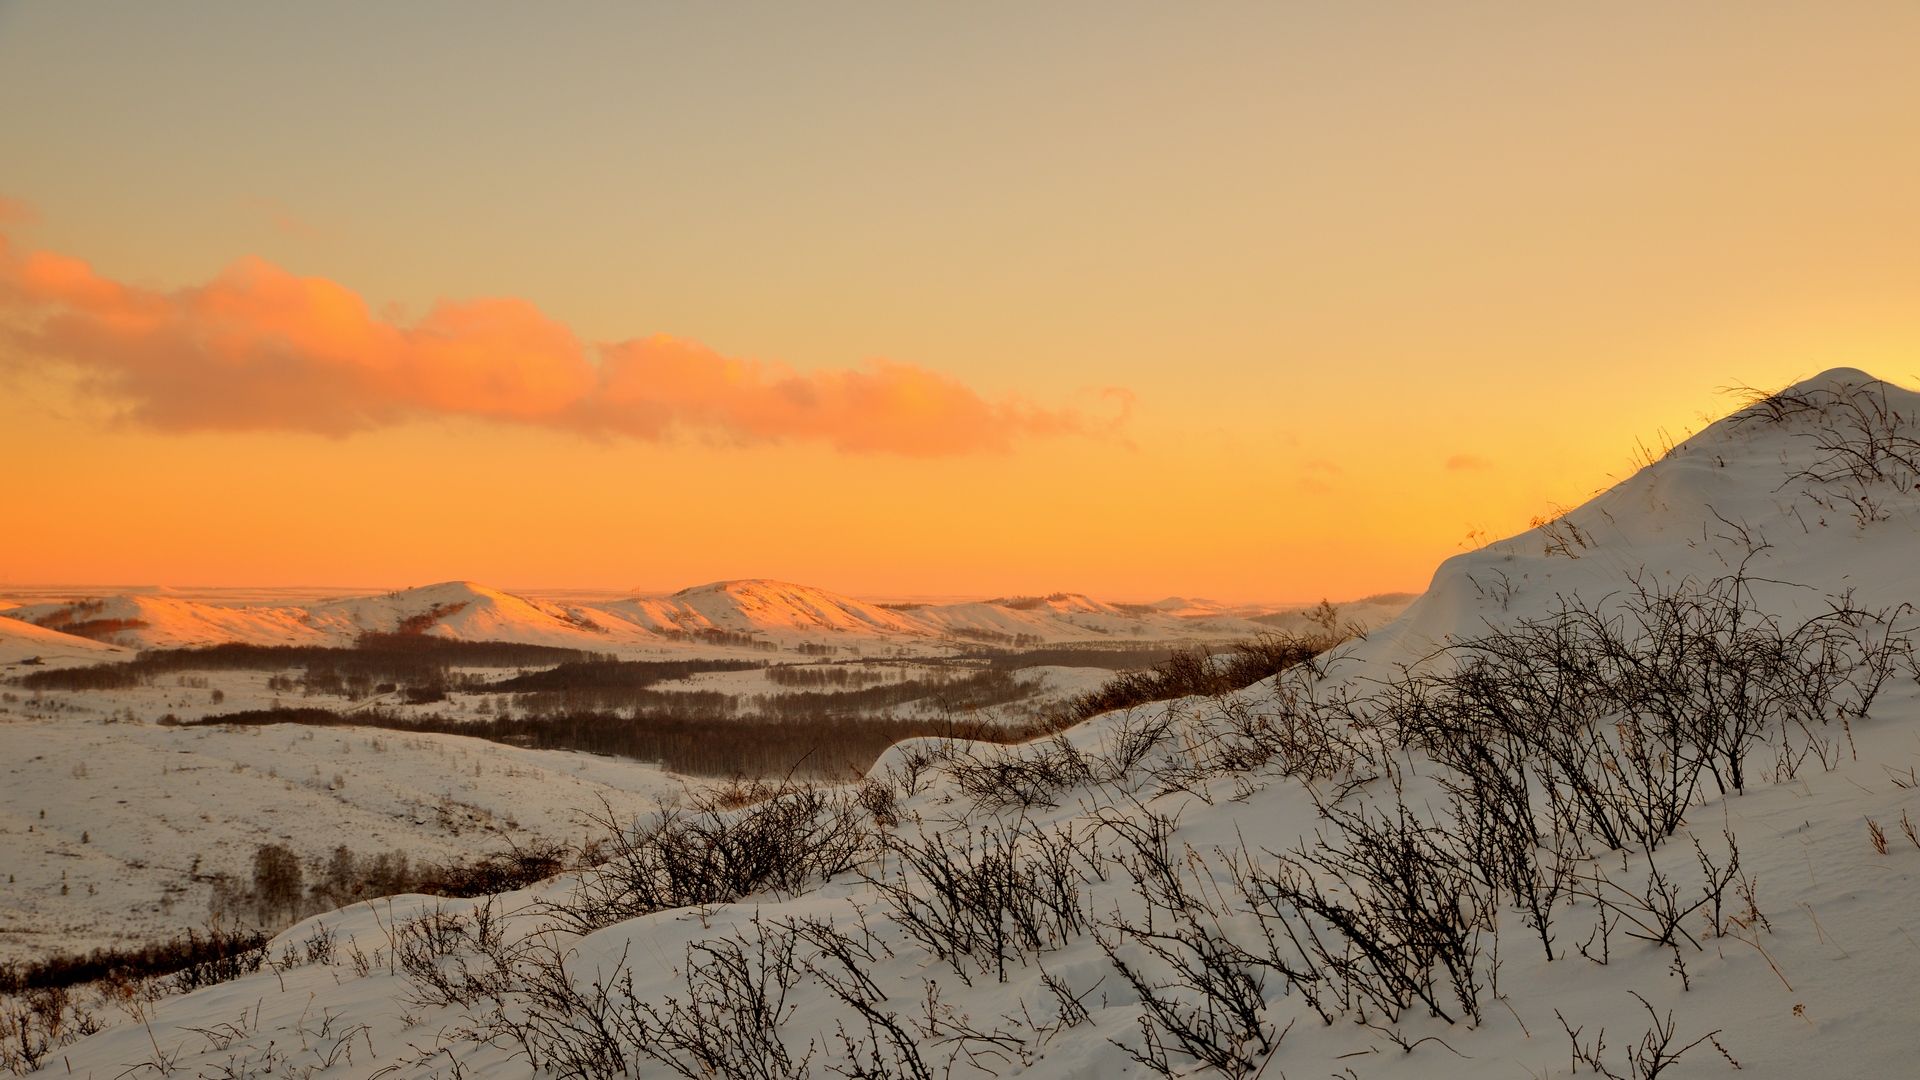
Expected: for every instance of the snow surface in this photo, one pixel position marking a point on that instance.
(1826, 986)
(137, 816)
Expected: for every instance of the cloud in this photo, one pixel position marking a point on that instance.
(282, 218)
(15, 212)
(261, 349)
(1318, 476)
(1467, 463)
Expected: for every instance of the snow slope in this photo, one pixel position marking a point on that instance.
(1730, 495)
(462, 610)
(22, 641)
(1158, 843)
(132, 817)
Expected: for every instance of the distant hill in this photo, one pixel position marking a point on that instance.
(23, 642)
(738, 613)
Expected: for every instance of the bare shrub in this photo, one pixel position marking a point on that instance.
(454, 958)
(1190, 672)
(37, 1022)
(213, 949)
(1859, 438)
(881, 800)
(1654, 905)
(1201, 994)
(1027, 775)
(728, 1024)
(981, 902)
(221, 955)
(561, 1028)
(1293, 733)
(889, 1047)
(1130, 742)
(1396, 918)
(1645, 1060)
(707, 855)
(1618, 720)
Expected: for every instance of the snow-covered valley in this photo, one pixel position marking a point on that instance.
(1632, 793)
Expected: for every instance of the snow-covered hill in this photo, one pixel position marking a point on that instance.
(771, 612)
(23, 642)
(1330, 873)
(1783, 488)
(165, 622)
(758, 607)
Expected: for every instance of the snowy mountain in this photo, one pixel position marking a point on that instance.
(771, 611)
(1628, 794)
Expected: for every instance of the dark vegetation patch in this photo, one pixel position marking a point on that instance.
(980, 636)
(378, 658)
(83, 620)
(592, 675)
(828, 735)
(833, 747)
(1195, 671)
(1111, 657)
(728, 638)
(1031, 603)
(102, 629)
(282, 890)
(418, 624)
(209, 956)
(833, 676)
(941, 691)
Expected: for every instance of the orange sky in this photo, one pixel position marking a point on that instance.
(1251, 302)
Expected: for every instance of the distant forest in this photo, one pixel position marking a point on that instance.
(817, 747)
(612, 708)
(397, 658)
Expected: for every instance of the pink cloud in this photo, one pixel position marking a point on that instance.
(1467, 463)
(260, 349)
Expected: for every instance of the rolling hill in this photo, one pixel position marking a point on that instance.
(23, 642)
(727, 613)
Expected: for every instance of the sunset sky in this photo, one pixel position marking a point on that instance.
(1251, 301)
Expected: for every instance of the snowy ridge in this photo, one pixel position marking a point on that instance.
(760, 605)
(772, 611)
(159, 622)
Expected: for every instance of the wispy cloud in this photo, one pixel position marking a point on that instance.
(1467, 463)
(282, 218)
(1318, 475)
(261, 349)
